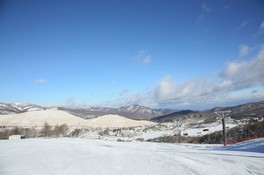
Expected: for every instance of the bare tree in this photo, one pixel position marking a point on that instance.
(60, 130)
(46, 131)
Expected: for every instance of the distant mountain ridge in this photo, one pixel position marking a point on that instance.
(172, 116)
(139, 112)
(243, 110)
(14, 108)
(136, 112)
(132, 111)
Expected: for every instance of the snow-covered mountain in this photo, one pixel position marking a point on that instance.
(249, 110)
(88, 112)
(139, 112)
(253, 109)
(132, 111)
(13, 108)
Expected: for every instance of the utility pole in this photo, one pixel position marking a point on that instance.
(223, 115)
(179, 136)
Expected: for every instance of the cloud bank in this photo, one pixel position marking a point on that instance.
(236, 82)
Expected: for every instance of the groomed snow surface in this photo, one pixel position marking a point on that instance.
(68, 156)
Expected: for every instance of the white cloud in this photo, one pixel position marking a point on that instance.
(245, 74)
(124, 91)
(262, 25)
(235, 83)
(138, 98)
(146, 60)
(236, 76)
(166, 88)
(242, 25)
(41, 81)
(200, 21)
(168, 91)
(260, 30)
(244, 50)
(143, 57)
(206, 8)
(71, 102)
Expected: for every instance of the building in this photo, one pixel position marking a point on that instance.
(16, 137)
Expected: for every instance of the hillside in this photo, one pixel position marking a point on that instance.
(38, 118)
(58, 117)
(139, 112)
(136, 112)
(87, 112)
(172, 116)
(244, 111)
(253, 109)
(116, 121)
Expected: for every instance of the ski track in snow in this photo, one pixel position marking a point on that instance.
(68, 156)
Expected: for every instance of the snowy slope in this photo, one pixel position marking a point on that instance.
(80, 156)
(117, 121)
(58, 117)
(38, 118)
(206, 130)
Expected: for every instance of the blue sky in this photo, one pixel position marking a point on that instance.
(163, 54)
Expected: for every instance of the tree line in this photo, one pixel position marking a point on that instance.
(46, 131)
(234, 135)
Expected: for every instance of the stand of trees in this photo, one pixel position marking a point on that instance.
(57, 131)
(234, 135)
(46, 131)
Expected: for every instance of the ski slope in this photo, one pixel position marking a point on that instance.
(69, 156)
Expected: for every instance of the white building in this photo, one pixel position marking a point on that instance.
(16, 137)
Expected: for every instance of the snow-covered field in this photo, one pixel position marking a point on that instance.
(81, 156)
(205, 130)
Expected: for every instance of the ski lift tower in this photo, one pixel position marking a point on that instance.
(223, 115)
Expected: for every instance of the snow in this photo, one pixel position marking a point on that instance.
(57, 117)
(256, 145)
(38, 118)
(117, 121)
(155, 134)
(205, 130)
(68, 156)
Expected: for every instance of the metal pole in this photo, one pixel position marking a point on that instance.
(224, 132)
(179, 138)
(223, 115)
